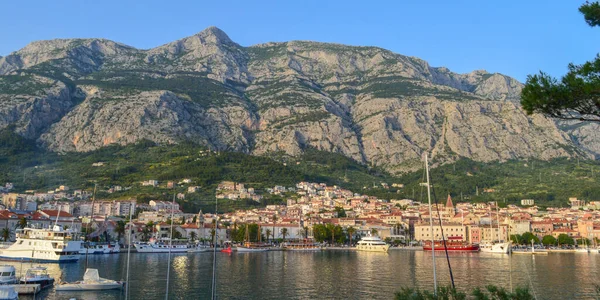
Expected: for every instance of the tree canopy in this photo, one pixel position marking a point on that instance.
(576, 96)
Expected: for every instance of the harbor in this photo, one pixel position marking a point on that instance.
(326, 274)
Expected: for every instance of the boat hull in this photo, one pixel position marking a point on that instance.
(465, 248)
(501, 248)
(245, 249)
(162, 249)
(316, 249)
(373, 248)
(89, 287)
(66, 259)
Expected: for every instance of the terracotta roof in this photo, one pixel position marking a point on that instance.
(54, 213)
(189, 226)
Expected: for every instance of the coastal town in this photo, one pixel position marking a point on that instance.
(402, 221)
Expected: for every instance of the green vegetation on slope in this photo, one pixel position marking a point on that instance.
(550, 183)
(21, 162)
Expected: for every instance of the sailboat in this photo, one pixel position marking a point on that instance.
(253, 246)
(497, 246)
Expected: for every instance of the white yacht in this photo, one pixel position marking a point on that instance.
(496, 247)
(372, 244)
(8, 275)
(43, 245)
(96, 248)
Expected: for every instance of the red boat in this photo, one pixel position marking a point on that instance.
(453, 244)
(226, 250)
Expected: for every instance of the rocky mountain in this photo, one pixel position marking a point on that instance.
(367, 103)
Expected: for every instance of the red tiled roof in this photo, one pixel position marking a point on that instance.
(54, 213)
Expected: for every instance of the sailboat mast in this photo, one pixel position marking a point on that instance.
(431, 226)
(214, 275)
(131, 208)
(498, 221)
(170, 246)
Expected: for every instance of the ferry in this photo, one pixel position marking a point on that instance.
(372, 244)
(43, 245)
(452, 244)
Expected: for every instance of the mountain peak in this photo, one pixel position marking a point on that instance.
(215, 32)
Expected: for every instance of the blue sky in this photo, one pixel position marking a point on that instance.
(511, 37)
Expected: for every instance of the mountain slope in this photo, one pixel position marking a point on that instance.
(372, 105)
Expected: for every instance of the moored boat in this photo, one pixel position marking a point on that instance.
(91, 282)
(451, 244)
(164, 246)
(498, 247)
(304, 245)
(100, 248)
(8, 275)
(43, 245)
(372, 244)
(38, 275)
(253, 247)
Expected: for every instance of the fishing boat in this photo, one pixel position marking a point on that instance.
(100, 248)
(8, 292)
(38, 275)
(372, 244)
(451, 244)
(8, 275)
(91, 282)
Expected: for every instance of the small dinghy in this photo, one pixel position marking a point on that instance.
(91, 282)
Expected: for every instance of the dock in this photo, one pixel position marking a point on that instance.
(27, 289)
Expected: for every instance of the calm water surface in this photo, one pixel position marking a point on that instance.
(330, 274)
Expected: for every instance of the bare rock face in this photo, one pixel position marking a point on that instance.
(367, 103)
(160, 116)
(33, 103)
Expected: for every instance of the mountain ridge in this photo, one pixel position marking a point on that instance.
(367, 103)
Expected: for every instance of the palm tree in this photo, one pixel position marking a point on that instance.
(5, 233)
(22, 223)
(351, 230)
(192, 236)
(120, 230)
(268, 233)
(305, 232)
(373, 231)
(284, 232)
